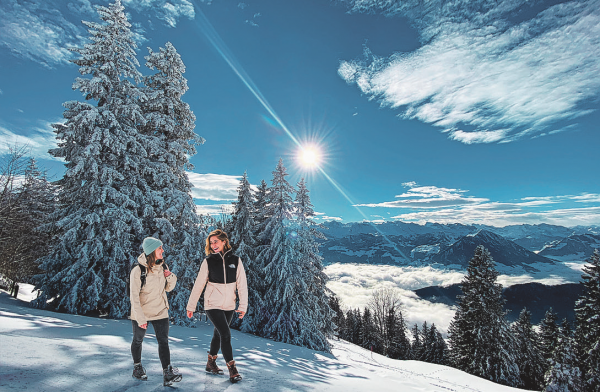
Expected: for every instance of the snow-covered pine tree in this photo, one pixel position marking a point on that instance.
(399, 346)
(284, 286)
(316, 297)
(358, 327)
(99, 224)
(587, 333)
(170, 213)
(368, 338)
(338, 315)
(26, 235)
(351, 326)
(481, 340)
(261, 215)
(439, 350)
(244, 245)
(417, 343)
(529, 357)
(549, 332)
(427, 341)
(563, 375)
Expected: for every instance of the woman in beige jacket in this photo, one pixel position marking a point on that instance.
(222, 273)
(149, 283)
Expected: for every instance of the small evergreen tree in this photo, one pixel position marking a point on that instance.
(351, 327)
(529, 358)
(417, 343)
(481, 340)
(549, 334)
(368, 337)
(439, 349)
(25, 217)
(338, 315)
(563, 375)
(587, 330)
(399, 347)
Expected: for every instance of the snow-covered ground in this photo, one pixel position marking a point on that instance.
(46, 351)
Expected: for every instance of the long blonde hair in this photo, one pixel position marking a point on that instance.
(220, 234)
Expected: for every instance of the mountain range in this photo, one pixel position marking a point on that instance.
(453, 245)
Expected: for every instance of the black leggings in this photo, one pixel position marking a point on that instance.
(222, 335)
(161, 330)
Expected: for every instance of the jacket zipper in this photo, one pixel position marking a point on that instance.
(224, 273)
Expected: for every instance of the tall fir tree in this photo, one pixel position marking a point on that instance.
(563, 374)
(244, 243)
(170, 213)
(529, 355)
(285, 314)
(587, 333)
(319, 326)
(99, 222)
(481, 340)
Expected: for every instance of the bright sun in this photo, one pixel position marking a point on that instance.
(309, 157)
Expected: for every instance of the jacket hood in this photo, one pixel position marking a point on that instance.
(142, 260)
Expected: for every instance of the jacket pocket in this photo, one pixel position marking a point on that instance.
(213, 297)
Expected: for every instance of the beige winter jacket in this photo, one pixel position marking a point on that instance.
(222, 275)
(150, 302)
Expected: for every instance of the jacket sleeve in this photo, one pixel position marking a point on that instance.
(198, 287)
(242, 287)
(171, 281)
(135, 284)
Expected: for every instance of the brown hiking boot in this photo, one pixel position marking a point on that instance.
(211, 365)
(234, 376)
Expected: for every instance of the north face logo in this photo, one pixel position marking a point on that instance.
(231, 266)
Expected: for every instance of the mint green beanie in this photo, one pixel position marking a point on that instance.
(150, 244)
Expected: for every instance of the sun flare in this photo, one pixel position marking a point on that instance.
(309, 157)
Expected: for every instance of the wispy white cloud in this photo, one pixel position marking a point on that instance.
(1, 92)
(331, 218)
(82, 7)
(38, 141)
(422, 204)
(476, 70)
(216, 187)
(428, 197)
(168, 11)
(37, 31)
(214, 209)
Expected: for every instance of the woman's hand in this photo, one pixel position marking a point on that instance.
(167, 273)
(144, 326)
(190, 313)
(242, 314)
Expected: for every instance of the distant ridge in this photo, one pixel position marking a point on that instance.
(503, 251)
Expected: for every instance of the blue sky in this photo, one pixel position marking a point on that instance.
(465, 111)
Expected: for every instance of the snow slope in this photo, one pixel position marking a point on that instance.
(46, 351)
